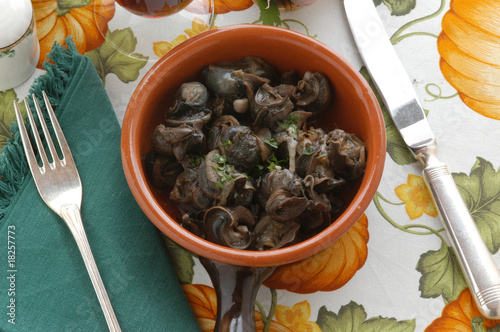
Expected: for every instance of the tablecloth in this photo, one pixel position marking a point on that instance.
(394, 270)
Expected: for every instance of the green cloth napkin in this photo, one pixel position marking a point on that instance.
(47, 279)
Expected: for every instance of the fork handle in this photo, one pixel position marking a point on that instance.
(477, 263)
(72, 216)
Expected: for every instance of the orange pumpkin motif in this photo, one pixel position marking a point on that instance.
(461, 315)
(226, 6)
(469, 45)
(220, 6)
(328, 270)
(85, 20)
(203, 302)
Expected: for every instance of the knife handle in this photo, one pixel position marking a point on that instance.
(480, 270)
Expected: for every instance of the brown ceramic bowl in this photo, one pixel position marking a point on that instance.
(355, 109)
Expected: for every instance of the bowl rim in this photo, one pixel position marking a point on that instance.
(137, 181)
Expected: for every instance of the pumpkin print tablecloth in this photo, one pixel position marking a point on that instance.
(394, 270)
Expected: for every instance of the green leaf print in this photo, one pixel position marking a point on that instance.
(481, 193)
(400, 7)
(441, 274)
(7, 115)
(396, 147)
(349, 318)
(269, 12)
(108, 59)
(352, 317)
(182, 261)
(387, 324)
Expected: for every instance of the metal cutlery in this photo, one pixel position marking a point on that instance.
(393, 84)
(59, 185)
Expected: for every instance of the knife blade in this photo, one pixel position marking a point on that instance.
(399, 96)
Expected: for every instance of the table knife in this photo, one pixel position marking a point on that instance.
(393, 84)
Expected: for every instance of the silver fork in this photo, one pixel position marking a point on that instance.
(58, 182)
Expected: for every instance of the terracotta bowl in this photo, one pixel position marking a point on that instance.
(355, 110)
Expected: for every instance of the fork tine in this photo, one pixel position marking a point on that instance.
(48, 138)
(66, 153)
(28, 149)
(34, 130)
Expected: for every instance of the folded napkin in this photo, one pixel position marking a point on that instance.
(44, 283)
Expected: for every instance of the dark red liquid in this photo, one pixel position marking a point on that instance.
(154, 8)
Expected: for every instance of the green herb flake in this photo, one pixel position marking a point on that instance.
(273, 162)
(219, 159)
(196, 160)
(322, 156)
(308, 150)
(271, 142)
(291, 120)
(227, 143)
(223, 170)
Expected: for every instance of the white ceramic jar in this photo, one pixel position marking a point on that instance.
(19, 47)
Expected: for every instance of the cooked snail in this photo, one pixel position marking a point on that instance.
(241, 162)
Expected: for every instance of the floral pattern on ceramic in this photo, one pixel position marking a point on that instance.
(10, 53)
(19, 47)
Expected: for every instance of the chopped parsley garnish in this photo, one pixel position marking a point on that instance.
(219, 159)
(196, 160)
(308, 150)
(227, 143)
(291, 120)
(321, 156)
(273, 162)
(271, 142)
(223, 170)
(239, 73)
